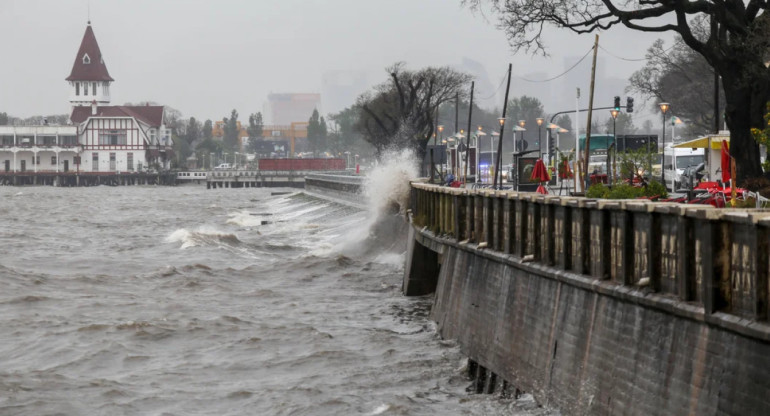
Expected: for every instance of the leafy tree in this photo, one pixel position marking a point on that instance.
(193, 132)
(255, 131)
(528, 109)
(636, 163)
(3, 119)
(208, 128)
(343, 135)
(736, 47)
(681, 77)
(401, 112)
(316, 133)
(231, 131)
(624, 124)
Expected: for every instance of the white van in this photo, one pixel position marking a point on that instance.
(675, 161)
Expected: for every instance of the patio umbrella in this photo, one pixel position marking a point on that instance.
(725, 163)
(540, 174)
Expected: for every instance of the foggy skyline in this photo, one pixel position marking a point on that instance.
(205, 58)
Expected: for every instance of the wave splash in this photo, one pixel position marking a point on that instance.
(202, 237)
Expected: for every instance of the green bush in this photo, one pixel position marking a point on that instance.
(597, 190)
(624, 191)
(654, 188)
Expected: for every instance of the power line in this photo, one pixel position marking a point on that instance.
(620, 57)
(502, 80)
(560, 75)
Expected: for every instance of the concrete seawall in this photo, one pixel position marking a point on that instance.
(599, 307)
(346, 188)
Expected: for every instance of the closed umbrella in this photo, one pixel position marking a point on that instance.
(540, 174)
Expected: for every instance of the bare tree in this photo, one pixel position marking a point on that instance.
(682, 77)
(401, 111)
(735, 46)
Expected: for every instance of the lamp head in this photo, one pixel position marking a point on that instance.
(614, 113)
(664, 107)
(521, 123)
(539, 121)
(440, 128)
(501, 120)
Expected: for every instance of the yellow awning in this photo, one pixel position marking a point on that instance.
(703, 142)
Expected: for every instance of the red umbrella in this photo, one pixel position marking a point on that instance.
(540, 173)
(725, 162)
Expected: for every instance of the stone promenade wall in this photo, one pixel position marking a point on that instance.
(600, 307)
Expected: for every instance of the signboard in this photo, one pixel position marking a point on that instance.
(526, 166)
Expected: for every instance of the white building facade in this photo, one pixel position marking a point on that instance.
(101, 139)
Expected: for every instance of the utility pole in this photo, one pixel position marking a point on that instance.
(498, 162)
(590, 111)
(468, 138)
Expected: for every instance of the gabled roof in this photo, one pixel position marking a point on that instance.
(95, 70)
(152, 115)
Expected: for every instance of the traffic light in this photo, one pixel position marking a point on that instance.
(629, 105)
(617, 103)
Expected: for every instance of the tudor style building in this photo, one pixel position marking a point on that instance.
(101, 139)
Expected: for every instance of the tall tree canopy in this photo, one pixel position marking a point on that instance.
(736, 46)
(208, 130)
(528, 109)
(316, 133)
(400, 113)
(681, 77)
(231, 131)
(255, 128)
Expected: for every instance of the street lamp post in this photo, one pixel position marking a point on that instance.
(663, 108)
(539, 144)
(614, 112)
(441, 140)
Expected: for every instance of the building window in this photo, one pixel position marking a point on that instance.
(152, 137)
(68, 140)
(77, 88)
(130, 161)
(86, 59)
(112, 161)
(95, 161)
(93, 88)
(112, 137)
(85, 88)
(36, 160)
(106, 88)
(53, 160)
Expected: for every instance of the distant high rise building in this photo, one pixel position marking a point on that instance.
(486, 93)
(340, 89)
(284, 109)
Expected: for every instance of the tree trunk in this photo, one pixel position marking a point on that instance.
(745, 102)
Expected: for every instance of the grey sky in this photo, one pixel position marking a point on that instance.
(206, 57)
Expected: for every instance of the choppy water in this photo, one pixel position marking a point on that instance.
(181, 301)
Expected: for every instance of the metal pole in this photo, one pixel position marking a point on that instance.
(502, 130)
(468, 139)
(588, 121)
(662, 171)
(611, 167)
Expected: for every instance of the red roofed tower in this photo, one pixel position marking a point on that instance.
(89, 79)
